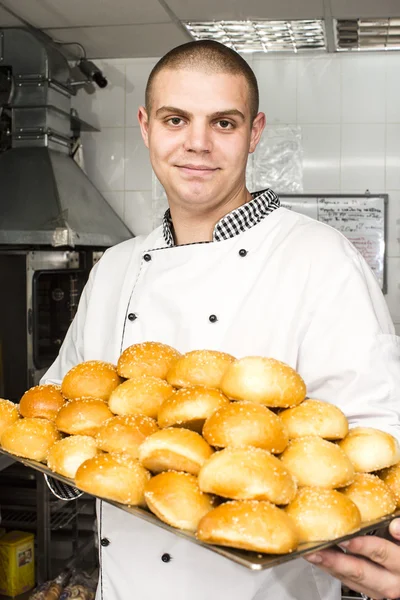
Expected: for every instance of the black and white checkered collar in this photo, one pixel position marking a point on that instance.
(239, 220)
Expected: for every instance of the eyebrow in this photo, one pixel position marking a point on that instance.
(220, 114)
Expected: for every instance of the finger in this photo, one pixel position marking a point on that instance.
(379, 550)
(357, 573)
(394, 529)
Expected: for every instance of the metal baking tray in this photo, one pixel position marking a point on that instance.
(250, 560)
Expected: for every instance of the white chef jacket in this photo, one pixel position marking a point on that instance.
(301, 293)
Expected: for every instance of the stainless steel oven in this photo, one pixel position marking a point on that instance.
(39, 295)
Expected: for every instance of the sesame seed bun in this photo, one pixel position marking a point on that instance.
(148, 358)
(141, 395)
(8, 414)
(315, 462)
(371, 495)
(250, 525)
(66, 455)
(190, 407)
(30, 438)
(123, 435)
(246, 424)
(370, 449)
(176, 499)
(321, 514)
(93, 378)
(82, 417)
(247, 474)
(264, 381)
(174, 449)
(199, 367)
(314, 417)
(43, 401)
(391, 477)
(115, 477)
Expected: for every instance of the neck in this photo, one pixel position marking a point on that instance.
(198, 226)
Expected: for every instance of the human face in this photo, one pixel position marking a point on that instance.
(199, 135)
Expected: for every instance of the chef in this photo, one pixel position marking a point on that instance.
(234, 271)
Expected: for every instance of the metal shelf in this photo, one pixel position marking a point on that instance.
(20, 517)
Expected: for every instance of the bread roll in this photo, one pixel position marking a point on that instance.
(66, 455)
(246, 424)
(321, 514)
(30, 438)
(250, 525)
(142, 395)
(373, 498)
(123, 435)
(370, 449)
(264, 381)
(247, 474)
(199, 367)
(315, 462)
(93, 378)
(148, 358)
(177, 500)
(8, 414)
(174, 449)
(190, 407)
(83, 417)
(314, 417)
(117, 477)
(391, 477)
(43, 401)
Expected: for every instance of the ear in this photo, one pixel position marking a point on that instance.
(256, 130)
(144, 124)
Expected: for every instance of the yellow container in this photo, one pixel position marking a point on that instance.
(17, 563)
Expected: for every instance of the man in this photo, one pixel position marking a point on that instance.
(234, 272)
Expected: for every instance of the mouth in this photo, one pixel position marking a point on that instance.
(197, 170)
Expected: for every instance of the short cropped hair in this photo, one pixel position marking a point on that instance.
(209, 56)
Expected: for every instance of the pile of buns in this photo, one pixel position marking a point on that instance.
(231, 449)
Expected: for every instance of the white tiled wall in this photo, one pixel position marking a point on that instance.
(347, 106)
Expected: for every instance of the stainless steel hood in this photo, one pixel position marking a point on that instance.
(45, 197)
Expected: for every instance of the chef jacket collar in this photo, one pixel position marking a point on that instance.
(235, 222)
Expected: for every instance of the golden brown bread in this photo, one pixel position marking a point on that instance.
(314, 417)
(8, 414)
(321, 514)
(117, 477)
(124, 435)
(141, 395)
(199, 367)
(264, 381)
(176, 499)
(83, 417)
(371, 495)
(246, 424)
(247, 474)
(66, 455)
(391, 476)
(250, 525)
(315, 462)
(147, 358)
(92, 378)
(43, 401)
(30, 438)
(190, 407)
(370, 449)
(175, 449)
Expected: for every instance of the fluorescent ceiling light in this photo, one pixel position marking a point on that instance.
(368, 34)
(262, 36)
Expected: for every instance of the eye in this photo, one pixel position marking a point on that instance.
(174, 121)
(223, 124)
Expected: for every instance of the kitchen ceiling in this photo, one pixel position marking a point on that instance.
(149, 28)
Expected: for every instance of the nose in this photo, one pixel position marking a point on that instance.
(198, 138)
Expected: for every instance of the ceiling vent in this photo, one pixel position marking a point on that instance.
(368, 34)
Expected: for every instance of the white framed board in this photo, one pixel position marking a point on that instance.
(362, 218)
